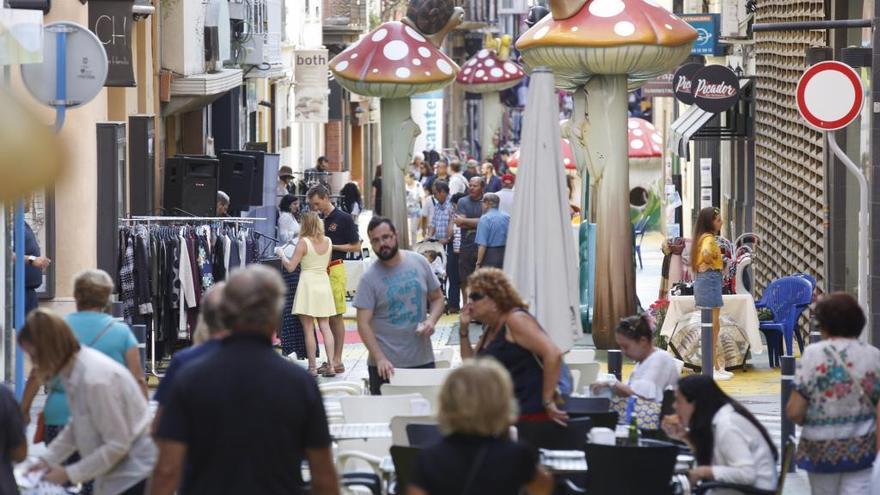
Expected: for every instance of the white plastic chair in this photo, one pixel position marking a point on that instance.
(443, 357)
(399, 424)
(578, 356)
(431, 393)
(588, 374)
(403, 376)
(332, 391)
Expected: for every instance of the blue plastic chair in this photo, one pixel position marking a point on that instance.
(639, 230)
(786, 297)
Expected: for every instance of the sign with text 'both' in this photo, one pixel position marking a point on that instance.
(311, 92)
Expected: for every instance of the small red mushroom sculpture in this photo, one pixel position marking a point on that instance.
(488, 73)
(567, 157)
(599, 49)
(394, 62)
(645, 160)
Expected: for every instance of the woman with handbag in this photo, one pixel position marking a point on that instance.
(707, 263)
(513, 337)
(109, 416)
(730, 444)
(835, 399)
(655, 369)
(476, 456)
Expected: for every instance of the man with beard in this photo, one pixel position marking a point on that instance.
(391, 300)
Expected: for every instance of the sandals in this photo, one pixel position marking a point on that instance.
(325, 368)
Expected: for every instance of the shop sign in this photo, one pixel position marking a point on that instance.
(682, 83)
(660, 87)
(311, 90)
(715, 88)
(111, 20)
(708, 27)
(427, 112)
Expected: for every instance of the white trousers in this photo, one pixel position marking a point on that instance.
(854, 483)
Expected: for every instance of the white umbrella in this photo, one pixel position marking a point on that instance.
(541, 258)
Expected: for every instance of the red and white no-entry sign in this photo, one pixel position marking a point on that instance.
(829, 96)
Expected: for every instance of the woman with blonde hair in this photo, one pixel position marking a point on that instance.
(513, 337)
(314, 295)
(476, 456)
(109, 417)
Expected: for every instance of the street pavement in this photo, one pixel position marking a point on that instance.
(758, 388)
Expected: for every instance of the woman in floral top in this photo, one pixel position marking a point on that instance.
(837, 390)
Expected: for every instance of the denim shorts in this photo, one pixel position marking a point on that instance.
(707, 289)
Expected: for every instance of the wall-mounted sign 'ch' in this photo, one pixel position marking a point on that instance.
(111, 21)
(682, 83)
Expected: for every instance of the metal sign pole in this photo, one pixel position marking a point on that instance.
(19, 295)
(863, 221)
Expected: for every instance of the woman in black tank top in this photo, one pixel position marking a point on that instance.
(513, 337)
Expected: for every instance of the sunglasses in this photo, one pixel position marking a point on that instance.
(476, 296)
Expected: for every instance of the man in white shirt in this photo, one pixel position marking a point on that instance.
(506, 193)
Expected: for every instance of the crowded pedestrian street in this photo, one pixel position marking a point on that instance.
(439, 247)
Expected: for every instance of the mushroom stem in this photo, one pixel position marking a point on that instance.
(608, 162)
(492, 111)
(398, 138)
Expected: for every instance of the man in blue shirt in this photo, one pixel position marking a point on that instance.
(492, 233)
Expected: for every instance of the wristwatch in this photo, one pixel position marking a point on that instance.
(547, 403)
(29, 260)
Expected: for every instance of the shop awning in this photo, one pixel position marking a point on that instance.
(688, 124)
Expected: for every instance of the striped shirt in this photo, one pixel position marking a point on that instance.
(442, 212)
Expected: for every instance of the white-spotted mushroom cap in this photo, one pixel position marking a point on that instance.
(393, 61)
(485, 72)
(638, 38)
(567, 157)
(644, 139)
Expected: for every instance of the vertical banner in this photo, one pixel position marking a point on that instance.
(311, 90)
(427, 112)
(111, 21)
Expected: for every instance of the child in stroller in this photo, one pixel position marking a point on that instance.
(435, 254)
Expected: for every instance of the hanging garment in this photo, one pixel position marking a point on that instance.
(227, 246)
(217, 260)
(141, 275)
(206, 268)
(187, 287)
(292, 338)
(126, 280)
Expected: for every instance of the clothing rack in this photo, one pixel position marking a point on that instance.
(147, 220)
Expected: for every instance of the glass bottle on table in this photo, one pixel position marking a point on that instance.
(634, 433)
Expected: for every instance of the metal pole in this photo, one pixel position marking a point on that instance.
(863, 220)
(787, 387)
(615, 363)
(19, 295)
(708, 349)
(810, 25)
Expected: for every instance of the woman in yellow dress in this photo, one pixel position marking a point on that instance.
(314, 296)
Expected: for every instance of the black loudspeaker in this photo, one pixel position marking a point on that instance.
(236, 180)
(265, 176)
(191, 186)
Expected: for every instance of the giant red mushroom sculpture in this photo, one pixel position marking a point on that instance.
(645, 160)
(394, 62)
(488, 73)
(599, 49)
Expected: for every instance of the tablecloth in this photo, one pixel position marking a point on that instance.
(739, 307)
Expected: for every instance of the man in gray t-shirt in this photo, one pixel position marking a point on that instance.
(391, 299)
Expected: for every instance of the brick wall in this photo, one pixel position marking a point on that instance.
(334, 144)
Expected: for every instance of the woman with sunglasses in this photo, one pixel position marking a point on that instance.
(513, 337)
(707, 263)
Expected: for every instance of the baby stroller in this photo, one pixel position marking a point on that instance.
(738, 277)
(438, 267)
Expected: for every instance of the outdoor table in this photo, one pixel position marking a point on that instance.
(359, 431)
(564, 461)
(739, 307)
